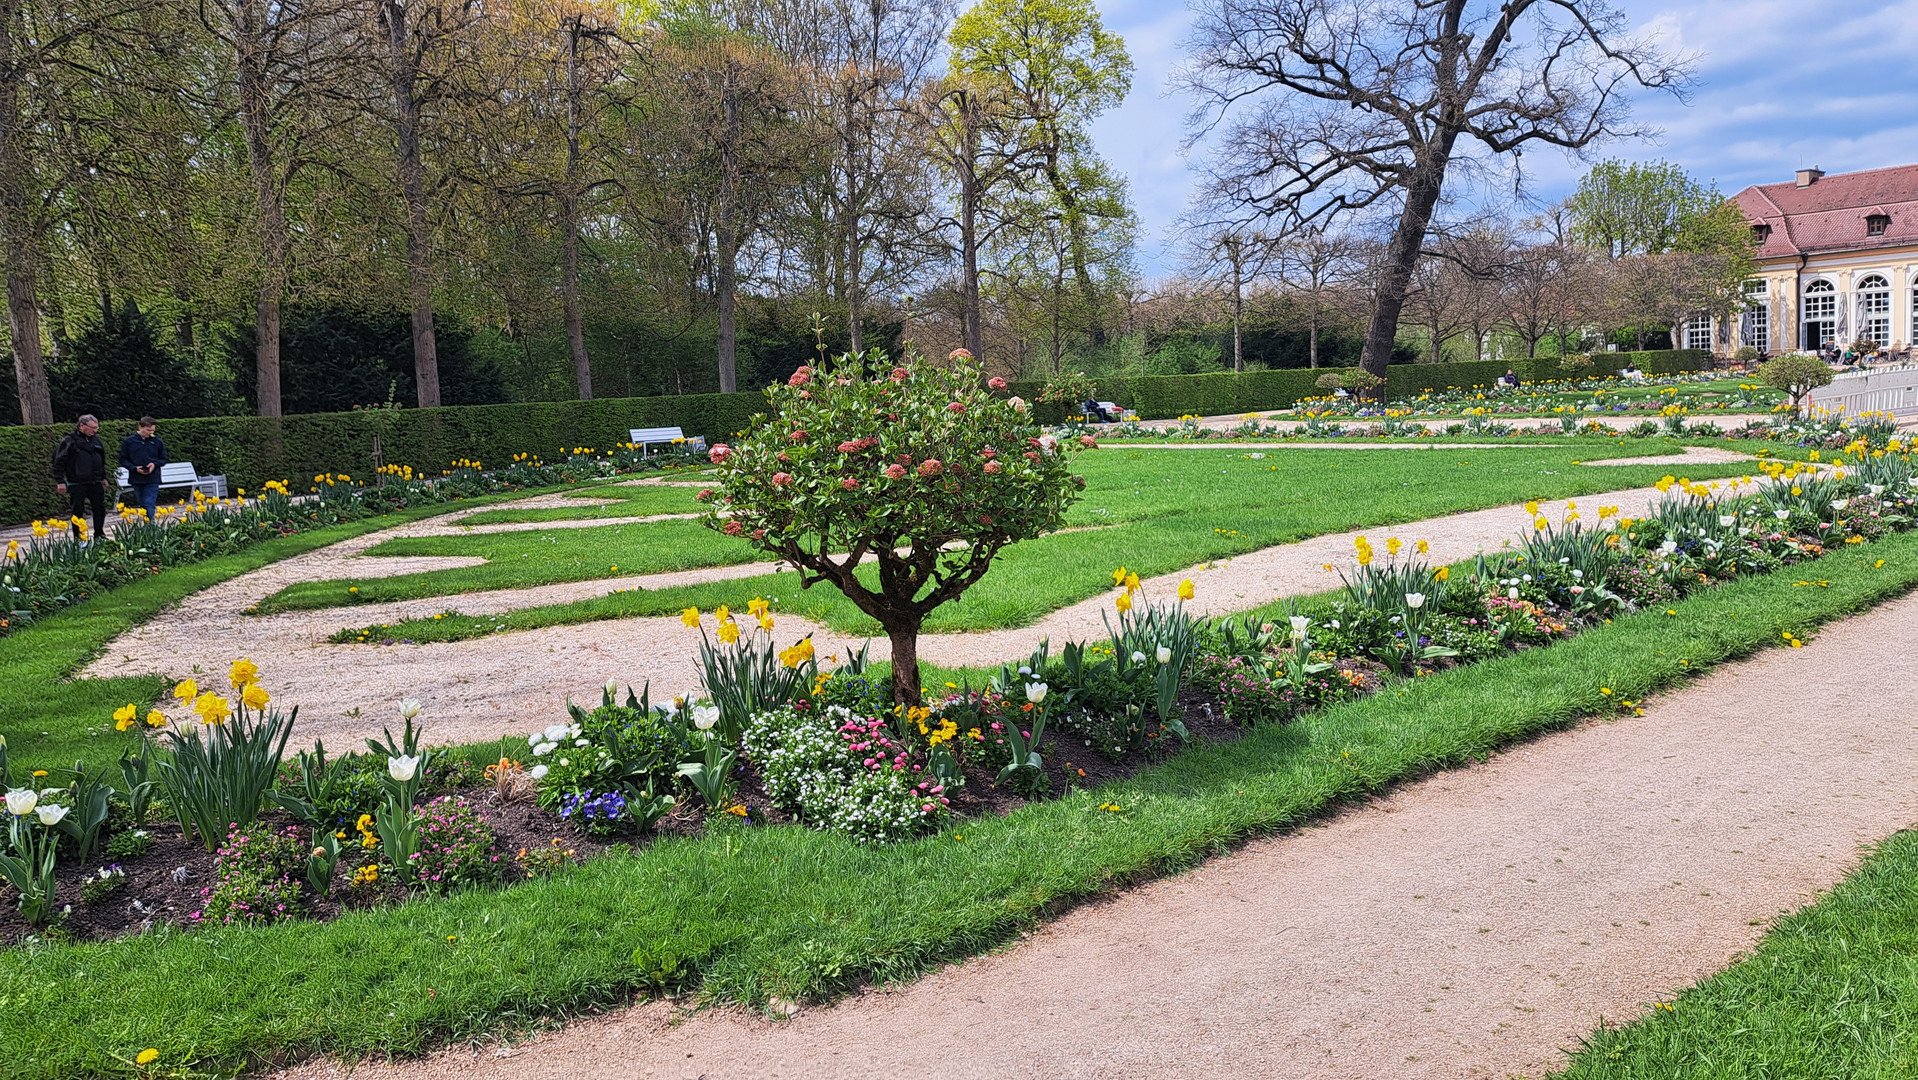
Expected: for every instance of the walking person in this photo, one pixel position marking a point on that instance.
(142, 454)
(80, 473)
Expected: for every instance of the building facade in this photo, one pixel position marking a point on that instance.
(1836, 261)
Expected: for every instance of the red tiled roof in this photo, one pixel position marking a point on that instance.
(1829, 215)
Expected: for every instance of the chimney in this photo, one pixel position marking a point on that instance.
(1808, 177)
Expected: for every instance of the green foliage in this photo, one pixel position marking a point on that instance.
(1636, 208)
(219, 781)
(117, 370)
(455, 846)
(335, 358)
(916, 465)
(1796, 374)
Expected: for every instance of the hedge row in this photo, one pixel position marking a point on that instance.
(1164, 397)
(250, 450)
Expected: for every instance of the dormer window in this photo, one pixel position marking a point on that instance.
(1760, 234)
(1876, 224)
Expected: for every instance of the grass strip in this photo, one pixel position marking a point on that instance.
(1831, 991)
(1165, 510)
(632, 501)
(750, 913)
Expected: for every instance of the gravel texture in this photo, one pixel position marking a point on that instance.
(1475, 924)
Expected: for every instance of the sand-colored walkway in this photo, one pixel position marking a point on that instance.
(485, 688)
(1475, 924)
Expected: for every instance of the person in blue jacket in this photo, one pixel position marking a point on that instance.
(142, 455)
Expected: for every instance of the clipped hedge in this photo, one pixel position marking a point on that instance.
(1165, 397)
(251, 450)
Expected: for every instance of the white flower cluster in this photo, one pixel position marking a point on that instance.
(812, 766)
(551, 738)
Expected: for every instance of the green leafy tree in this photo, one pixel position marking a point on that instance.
(919, 467)
(1796, 374)
(1625, 209)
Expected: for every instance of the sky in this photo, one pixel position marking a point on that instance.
(1780, 85)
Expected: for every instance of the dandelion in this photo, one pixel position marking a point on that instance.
(147, 1056)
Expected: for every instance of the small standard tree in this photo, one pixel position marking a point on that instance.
(1795, 374)
(919, 467)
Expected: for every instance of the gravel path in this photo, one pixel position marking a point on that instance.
(1475, 924)
(481, 689)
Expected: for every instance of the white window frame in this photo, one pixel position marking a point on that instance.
(1755, 328)
(1874, 308)
(1698, 332)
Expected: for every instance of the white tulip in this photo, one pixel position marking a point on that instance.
(1668, 547)
(51, 814)
(410, 708)
(1781, 514)
(1165, 655)
(402, 768)
(536, 772)
(705, 716)
(1036, 692)
(21, 801)
(1299, 625)
(1875, 489)
(1138, 657)
(1578, 575)
(1415, 600)
(612, 687)
(1726, 520)
(1511, 594)
(1840, 504)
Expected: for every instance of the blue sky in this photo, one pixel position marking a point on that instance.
(1782, 84)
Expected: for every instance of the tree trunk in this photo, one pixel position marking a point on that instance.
(419, 269)
(1238, 313)
(905, 662)
(854, 250)
(249, 39)
(969, 198)
(569, 223)
(1402, 254)
(1312, 338)
(726, 274)
(23, 308)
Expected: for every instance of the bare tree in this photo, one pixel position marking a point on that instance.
(1313, 267)
(1541, 292)
(1329, 108)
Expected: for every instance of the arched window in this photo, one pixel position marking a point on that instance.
(1874, 309)
(1820, 313)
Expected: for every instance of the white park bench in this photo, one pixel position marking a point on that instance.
(182, 474)
(644, 437)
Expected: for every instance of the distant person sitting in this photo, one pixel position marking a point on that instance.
(80, 473)
(1095, 414)
(1509, 380)
(1630, 372)
(142, 455)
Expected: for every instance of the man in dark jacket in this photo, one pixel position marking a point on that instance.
(80, 472)
(142, 455)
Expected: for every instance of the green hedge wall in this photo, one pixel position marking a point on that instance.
(251, 450)
(1164, 397)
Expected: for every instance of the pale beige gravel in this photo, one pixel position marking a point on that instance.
(1475, 924)
(488, 687)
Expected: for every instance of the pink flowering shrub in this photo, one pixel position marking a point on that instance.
(261, 872)
(918, 466)
(841, 771)
(456, 846)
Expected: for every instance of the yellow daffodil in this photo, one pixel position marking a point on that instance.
(1185, 589)
(212, 708)
(690, 616)
(1532, 508)
(1124, 603)
(243, 673)
(1421, 547)
(254, 696)
(1444, 572)
(1132, 583)
(728, 632)
(1118, 577)
(797, 654)
(186, 690)
(125, 716)
(156, 718)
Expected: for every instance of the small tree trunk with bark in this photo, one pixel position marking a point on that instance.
(903, 633)
(726, 273)
(419, 269)
(569, 221)
(1402, 254)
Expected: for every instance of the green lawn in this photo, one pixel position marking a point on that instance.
(522, 559)
(633, 501)
(1831, 992)
(754, 912)
(1152, 510)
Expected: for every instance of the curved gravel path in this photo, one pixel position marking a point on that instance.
(1476, 924)
(489, 687)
